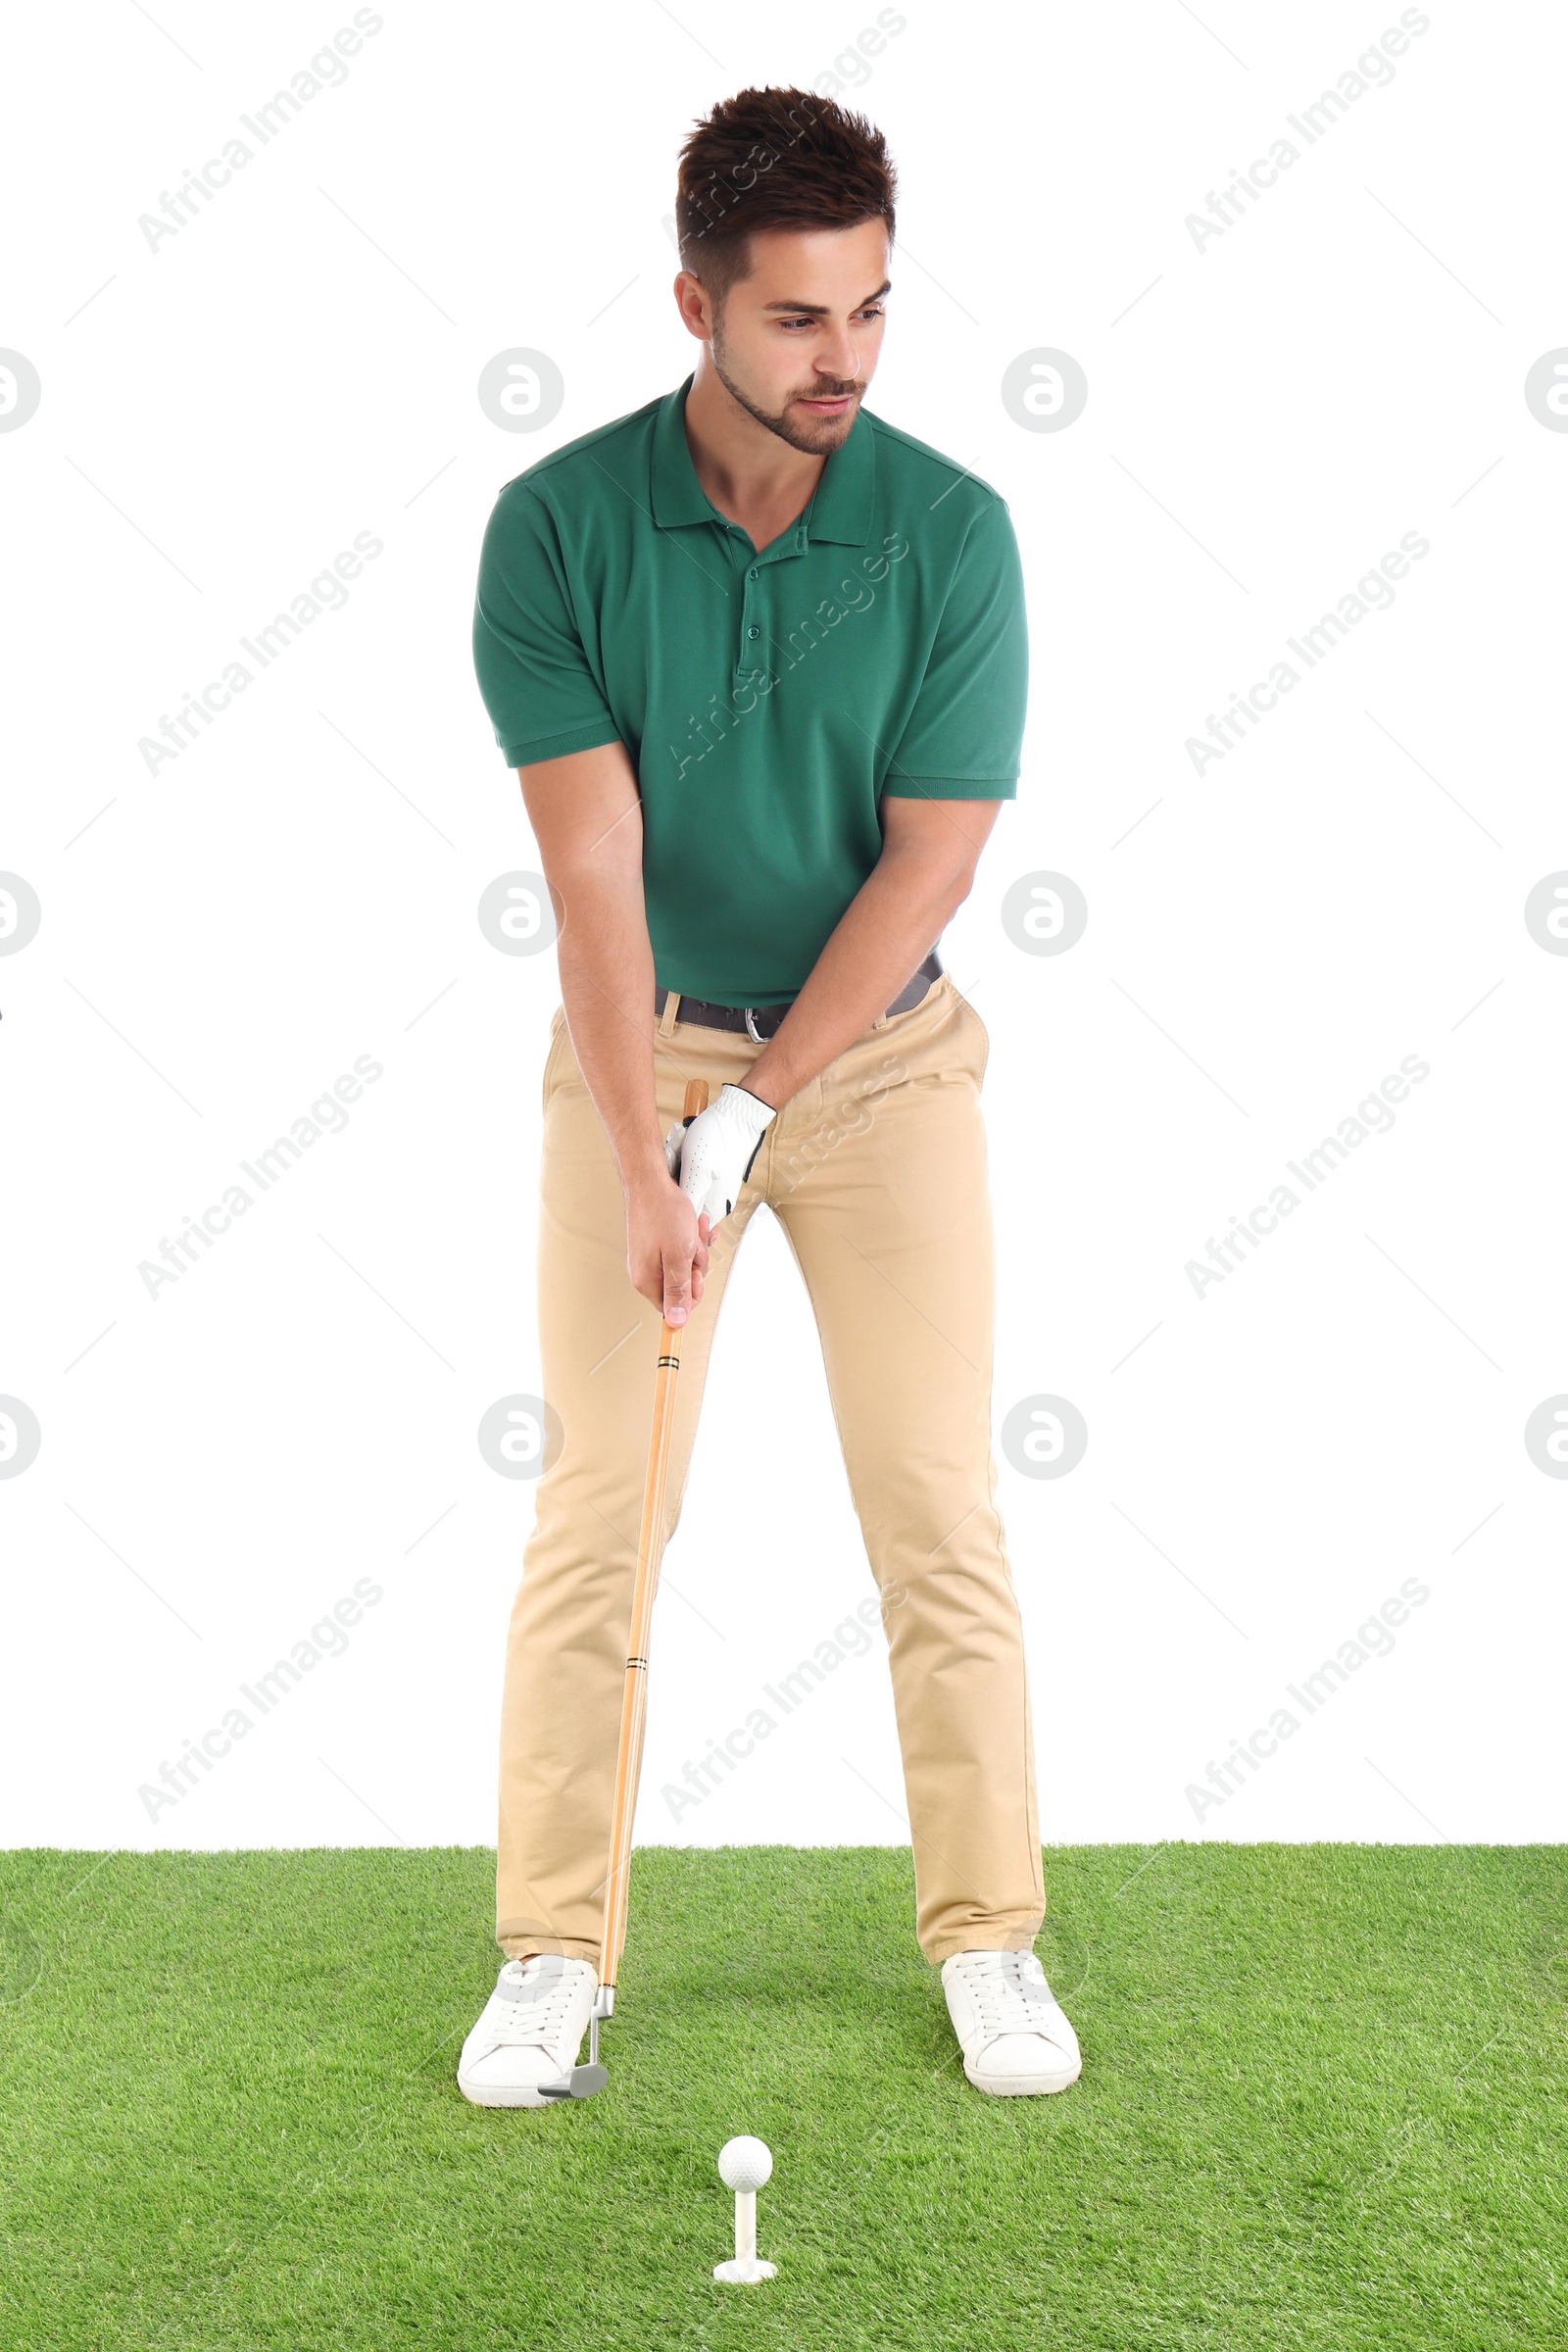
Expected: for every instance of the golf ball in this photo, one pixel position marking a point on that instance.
(745, 2163)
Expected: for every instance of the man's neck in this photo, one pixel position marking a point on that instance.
(749, 472)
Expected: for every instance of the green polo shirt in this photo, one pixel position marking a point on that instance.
(767, 699)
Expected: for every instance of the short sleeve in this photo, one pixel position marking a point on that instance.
(965, 737)
(535, 677)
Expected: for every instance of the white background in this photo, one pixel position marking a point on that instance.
(218, 942)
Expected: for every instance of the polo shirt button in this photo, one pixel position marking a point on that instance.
(751, 575)
(754, 632)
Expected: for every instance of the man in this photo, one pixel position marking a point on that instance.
(760, 660)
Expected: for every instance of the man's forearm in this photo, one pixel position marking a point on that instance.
(881, 938)
(606, 987)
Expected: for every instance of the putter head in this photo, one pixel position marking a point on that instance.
(580, 2082)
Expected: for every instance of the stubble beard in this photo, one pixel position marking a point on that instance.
(816, 440)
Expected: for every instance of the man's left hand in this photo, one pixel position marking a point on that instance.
(713, 1156)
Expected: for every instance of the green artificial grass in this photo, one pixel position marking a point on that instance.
(1322, 2105)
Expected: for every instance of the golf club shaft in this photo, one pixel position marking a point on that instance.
(634, 1695)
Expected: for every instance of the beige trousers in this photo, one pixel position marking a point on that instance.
(876, 1171)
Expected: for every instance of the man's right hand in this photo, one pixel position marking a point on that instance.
(666, 1246)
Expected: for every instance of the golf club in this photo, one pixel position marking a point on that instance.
(581, 2081)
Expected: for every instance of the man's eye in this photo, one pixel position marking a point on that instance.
(878, 311)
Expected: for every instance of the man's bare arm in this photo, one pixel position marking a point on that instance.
(930, 850)
(587, 818)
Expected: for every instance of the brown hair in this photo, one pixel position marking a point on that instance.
(774, 159)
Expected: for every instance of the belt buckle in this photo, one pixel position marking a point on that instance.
(751, 1030)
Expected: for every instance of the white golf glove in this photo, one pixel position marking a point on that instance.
(712, 1156)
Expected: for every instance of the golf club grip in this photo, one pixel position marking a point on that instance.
(634, 1694)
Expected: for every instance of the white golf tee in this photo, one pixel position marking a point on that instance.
(744, 2270)
(744, 2165)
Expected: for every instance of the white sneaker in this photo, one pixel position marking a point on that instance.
(1014, 2037)
(529, 2030)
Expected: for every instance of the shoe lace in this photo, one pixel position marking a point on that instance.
(535, 2012)
(1008, 1993)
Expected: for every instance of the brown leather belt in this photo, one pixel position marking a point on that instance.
(758, 1022)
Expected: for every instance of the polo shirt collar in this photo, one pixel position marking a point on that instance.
(840, 504)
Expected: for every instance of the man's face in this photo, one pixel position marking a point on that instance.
(797, 342)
